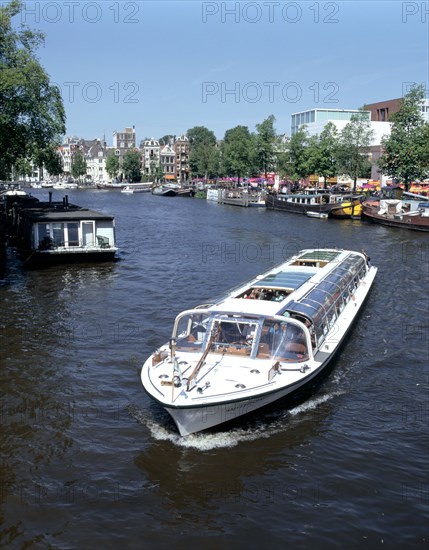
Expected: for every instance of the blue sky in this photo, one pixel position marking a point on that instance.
(166, 66)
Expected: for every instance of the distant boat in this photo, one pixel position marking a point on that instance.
(242, 197)
(320, 215)
(392, 212)
(132, 188)
(65, 185)
(164, 191)
(112, 185)
(332, 204)
(185, 192)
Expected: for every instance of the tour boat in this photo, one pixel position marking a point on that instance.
(262, 341)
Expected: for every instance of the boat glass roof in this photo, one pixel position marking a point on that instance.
(325, 255)
(285, 279)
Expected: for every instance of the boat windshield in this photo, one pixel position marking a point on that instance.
(282, 341)
(190, 331)
(279, 340)
(233, 336)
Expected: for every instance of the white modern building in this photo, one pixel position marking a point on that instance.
(316, 119)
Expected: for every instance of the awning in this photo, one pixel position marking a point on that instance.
(170, 177)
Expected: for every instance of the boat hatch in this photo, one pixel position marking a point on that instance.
(323, 255)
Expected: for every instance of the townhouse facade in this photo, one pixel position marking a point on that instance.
(150, 156)
(168, 161)
(182, 150)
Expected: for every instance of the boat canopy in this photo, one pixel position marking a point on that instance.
(325, 301)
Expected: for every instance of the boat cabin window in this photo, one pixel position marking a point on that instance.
(324, 303)
(233, 337)
(267, 294)
(282, 341)
(57, 234)
(191, 331)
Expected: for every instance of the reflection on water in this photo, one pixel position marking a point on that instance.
(83, 445)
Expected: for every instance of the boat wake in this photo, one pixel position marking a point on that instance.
(207, 441)
(313, 403)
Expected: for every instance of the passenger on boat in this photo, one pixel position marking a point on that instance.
(254, 295)
(367, 258)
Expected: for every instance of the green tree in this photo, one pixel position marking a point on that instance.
(322, 153)
(265, 139)
(22, 168)
(405, 154)
(294, 162)
(112, 166)
(237, 149)
(32, 115)
(50, 159)
(354, 146)
(131, 166)
(157, 173)
(78, 166)
(203, 152)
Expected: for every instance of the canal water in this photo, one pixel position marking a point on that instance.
(88, 461)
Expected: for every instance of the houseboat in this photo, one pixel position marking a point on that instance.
(242, 197)
(58, 232)
(394, 213)
(261, 342)
(335, 205)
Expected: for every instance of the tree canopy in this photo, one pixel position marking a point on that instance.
(112, 166)
(204, 156)
(78, 166)
(32, 116)
(131, 166)
(265, 145)
(294, 162)
(354, 143)
(322, 153)
(405, 154)
(237, 149)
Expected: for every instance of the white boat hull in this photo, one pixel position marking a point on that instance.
(193, 420)
(219, 382)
